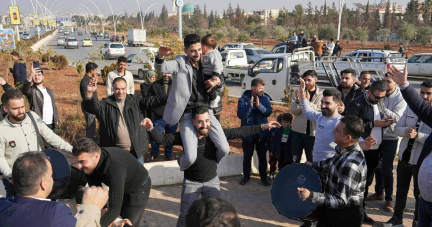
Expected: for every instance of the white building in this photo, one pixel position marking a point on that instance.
(394, 8)
(266, 14)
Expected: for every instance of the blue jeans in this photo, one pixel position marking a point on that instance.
(7, 187)
(301, 141)
(384, 176)
(425, 214)
(160, 125)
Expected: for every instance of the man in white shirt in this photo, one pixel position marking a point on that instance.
(293, 39)
(330, 47)
(41, 98)
(120, 72)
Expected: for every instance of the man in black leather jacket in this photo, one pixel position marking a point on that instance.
(349, 89)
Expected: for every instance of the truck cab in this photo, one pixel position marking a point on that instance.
(138, 61)
(234, 60)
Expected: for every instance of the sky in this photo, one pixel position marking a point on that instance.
(131, 6)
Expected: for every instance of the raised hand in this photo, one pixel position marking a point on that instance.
(302, 85)
(147, 124)
(91, 87)
(398, 77)
(257, 101)
(341, 107)
(368, 143)
(251, 100)
(297, 95)
(165, 51)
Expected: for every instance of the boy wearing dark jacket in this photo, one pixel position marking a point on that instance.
(280, 149)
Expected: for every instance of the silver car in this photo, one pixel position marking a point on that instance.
(254, 54)
(61, 41)
(71, 42)
(113, 50)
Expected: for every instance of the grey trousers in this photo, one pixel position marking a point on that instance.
(190, 140)
(191, 191)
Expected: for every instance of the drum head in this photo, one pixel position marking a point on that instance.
(284, 190)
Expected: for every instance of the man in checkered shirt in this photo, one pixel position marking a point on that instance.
(344, 178)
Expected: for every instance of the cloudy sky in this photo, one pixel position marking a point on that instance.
(131, 5)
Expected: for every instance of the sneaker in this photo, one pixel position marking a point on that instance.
(152, 158)
(243, 181)
(169, 158)
(265, 181)
(368, 220)
(214, 103)
(395, 221)
(375, 197)
(389, 206)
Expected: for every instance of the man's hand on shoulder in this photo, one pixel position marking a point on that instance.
(270, 125)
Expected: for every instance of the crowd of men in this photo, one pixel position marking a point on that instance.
(366, 120)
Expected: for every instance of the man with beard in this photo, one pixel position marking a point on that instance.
(201, 177)
(375, 116)
(41, 98)
(364, 80)
(19, 133)
(394, 102)
(414, 133)
(303, 130)
(349, 89)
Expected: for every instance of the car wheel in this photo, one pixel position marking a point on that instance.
(141, 74)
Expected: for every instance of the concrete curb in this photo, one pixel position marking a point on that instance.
(167, 173)
(43, 41)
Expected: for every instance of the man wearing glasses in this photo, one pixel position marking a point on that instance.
(371, 109)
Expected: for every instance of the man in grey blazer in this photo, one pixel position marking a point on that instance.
(189, 90)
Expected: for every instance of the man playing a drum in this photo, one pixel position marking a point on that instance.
(345, 178)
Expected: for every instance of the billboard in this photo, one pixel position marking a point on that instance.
(7, 39)
(36, 19)
(14, 15)
(45, 22)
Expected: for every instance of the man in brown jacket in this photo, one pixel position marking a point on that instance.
(303, 130)
(317, 45)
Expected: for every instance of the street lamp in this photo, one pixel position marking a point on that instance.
(103, 30)
(341, 3)
(142, 25)
(112, 12)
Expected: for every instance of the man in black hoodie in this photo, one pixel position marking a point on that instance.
(19, 70)
(350, 90)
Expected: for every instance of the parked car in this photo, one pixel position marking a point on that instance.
(254, 54)
(79, 33)
(60, 30)
(66, 32)
(237, 46)
(106, 35)
(61, 41)
(87, 42)
(99, 34)
(420, 65)
(114, 38)
(71, 42)
(113, 50)
(26, 36)
(282, 48)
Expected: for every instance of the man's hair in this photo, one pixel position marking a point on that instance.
(311, 73)
(337, 95)
(364, 73)
(11, 94)
(91, 66)
(122, 59)
(331, 39)
(191, 39)
(353, 126)
(84, 145)
(379, 85)
(352, 71)
(199, 110)
(400, 43)
(14, 53)
(212, 212)
(118, 79)
(28, 171)
(287, 117)
(427, 83)
(257, 81)
(279, 118)
(210, 41)
(79, 194)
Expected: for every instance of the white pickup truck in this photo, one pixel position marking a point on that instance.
(137, 62)
(235, 64)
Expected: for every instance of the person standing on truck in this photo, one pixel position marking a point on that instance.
(294, 39)
(337, 51)
(317, 45)
(303, 130)
(330, 47)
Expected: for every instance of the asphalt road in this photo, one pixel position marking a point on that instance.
(82, 53)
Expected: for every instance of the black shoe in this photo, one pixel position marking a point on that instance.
(169, 158)
(243, 181)
(395, 221)
(271, 175)
(265, 181)
(152, 158)
(368, 220)
(414, 224)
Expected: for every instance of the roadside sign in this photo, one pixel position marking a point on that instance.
(36, 19)
(45, 22)
(179, 3)
(7, 39)
(14, 15)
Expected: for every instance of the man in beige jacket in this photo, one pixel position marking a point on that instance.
(303, 130)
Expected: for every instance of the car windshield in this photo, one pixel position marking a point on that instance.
(86, 39)
(249, 45)
(72, 40)
(396, 57)
(116, 46)
(263, 52)
(61, 38)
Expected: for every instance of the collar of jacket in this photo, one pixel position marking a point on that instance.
(317, 90)
(355, 147)
(26, 120)
(128, 102)
(21, 61)
(248, 93)
(395, 93)
(354, 88)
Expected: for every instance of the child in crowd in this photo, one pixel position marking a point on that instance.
(272, 156)
(281, 144)
(117, 222)
(211, 61)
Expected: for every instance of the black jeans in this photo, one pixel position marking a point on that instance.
(248, 149)
(384, 174)
(372, 159)
(405, 172)
(344, 217)
(299, 142)
(134, 204)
